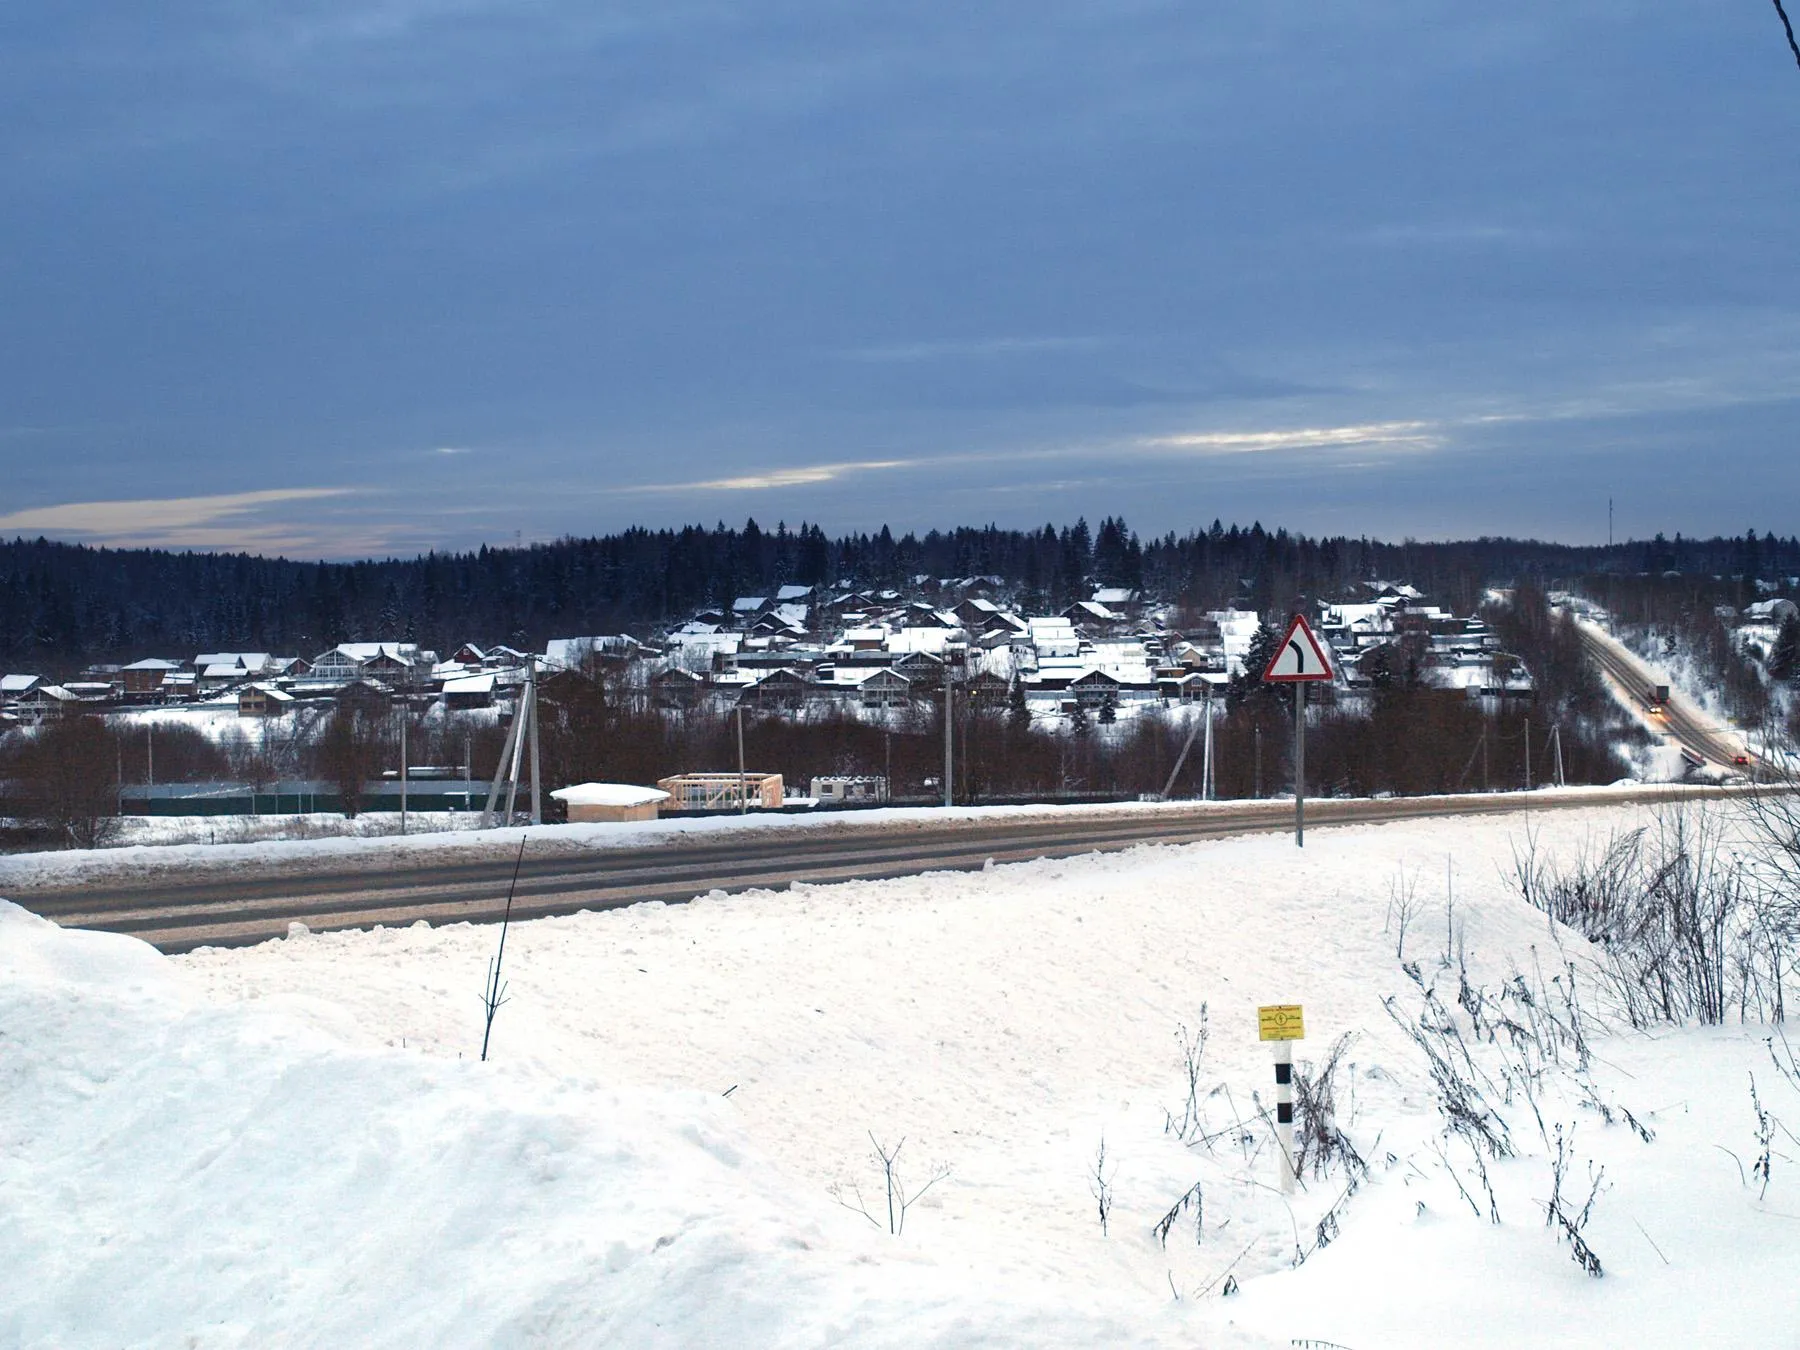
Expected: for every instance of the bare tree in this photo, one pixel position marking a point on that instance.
(349, 754)
(70, 773)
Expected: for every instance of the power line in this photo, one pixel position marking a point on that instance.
(1788, 28)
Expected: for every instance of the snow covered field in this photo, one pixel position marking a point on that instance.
(293, 1144)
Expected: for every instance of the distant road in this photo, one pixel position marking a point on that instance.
(178, 911)
(1682, 719)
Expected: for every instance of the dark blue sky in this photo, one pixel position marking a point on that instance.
(346, 278)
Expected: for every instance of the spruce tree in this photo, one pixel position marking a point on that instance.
(1247, 684)
(1018, 712)
(1784, 660)
(1078, 719)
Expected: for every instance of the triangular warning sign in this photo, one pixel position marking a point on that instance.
(1300, 657)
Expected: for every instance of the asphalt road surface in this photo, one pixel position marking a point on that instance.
(1681, 719)
(178, 912)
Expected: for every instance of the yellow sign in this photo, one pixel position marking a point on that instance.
(1280, 1022)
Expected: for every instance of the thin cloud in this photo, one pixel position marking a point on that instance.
(227, 520)
(1414, 435)
(801, 476)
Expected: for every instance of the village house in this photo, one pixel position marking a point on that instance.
(466, 693)
(263, 700)
(147, 677)
(885, 689)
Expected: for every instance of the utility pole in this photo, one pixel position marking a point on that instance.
(1611, 627)
(949, 719)
(512, 756)
(1206, 759)
(150, 754)
(537, 797)
(1556, 742)
(1528, 754)
(1484, 757)
(743, 781)
(403, 711)
(1256, 789)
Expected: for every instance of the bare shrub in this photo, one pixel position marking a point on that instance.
(1100, 1186)
(68, 771)
(1687, 930)
(1319, 1142)
(1560, 1214)
(1193, 1201)
(899, 1198)
(1193, 1052)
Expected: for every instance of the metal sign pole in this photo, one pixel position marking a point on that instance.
(1300, 766)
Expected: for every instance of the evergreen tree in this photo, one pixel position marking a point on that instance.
(1109, 709)
(1078, 719)
(1018, 712)
(1248, 683)
(1784, 660)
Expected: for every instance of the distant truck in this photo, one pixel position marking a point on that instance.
(1656, 697)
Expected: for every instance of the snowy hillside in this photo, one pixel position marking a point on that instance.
(281, 1144)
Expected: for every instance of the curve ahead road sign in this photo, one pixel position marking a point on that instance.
(1300, 658)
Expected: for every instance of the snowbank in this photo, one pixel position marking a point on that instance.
(178, 1174)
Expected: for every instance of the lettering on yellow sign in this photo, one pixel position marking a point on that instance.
(1280, 1022)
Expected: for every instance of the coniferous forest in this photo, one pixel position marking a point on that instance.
(65, 605)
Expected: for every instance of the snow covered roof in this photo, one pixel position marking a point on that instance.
(748, 604)
(153, 663)
(918, 640)
(1093, 609)
(470, 684)
(19, 684)
(223, 670)
(242, 660)
(609, 794)
(1114, 595)
(358, 653)
(279, 695)
(572, 651)
(787, 593)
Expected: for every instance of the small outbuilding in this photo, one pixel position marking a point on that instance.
(598, 802)
(469, 691)
(263, 700)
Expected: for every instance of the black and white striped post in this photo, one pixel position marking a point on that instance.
(1281, 1025)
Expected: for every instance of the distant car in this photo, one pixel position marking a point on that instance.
(1740, 759)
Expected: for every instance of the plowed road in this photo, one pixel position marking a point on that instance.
(178, 911)
(1682, 720)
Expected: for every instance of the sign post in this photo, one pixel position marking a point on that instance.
(1299, 661)
(1282, 1024)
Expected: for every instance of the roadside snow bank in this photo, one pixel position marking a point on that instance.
(174, 1173)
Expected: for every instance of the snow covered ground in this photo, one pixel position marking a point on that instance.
(293, 1144)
